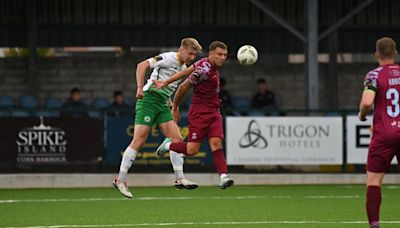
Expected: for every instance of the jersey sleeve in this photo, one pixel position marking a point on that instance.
(158, 61)
(371, 81)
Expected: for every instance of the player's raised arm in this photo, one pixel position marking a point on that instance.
(180, 93)
(175, 77)
(140, 72)
(368, 96)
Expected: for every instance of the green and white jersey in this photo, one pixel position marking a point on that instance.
(164, 66)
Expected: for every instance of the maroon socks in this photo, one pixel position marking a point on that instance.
(219, 161)
(373, 204)
(178, 147)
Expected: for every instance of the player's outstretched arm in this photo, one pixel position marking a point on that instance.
(366, 103)
(179, 95)
(140, 72)
(177, 76)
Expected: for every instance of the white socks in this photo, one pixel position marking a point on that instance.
(177, 164)
(129, 157)
(223, 175)
(127, 160)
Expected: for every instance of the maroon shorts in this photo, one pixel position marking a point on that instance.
(380, 155)
(204, 124)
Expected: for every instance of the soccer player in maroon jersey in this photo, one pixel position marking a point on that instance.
(381, 90)
(204, 117)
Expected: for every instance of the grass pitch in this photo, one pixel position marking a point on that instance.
(239, 206)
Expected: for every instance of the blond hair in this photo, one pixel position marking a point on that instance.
(386, 48)
(191, 43)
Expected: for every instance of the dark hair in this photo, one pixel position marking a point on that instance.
(118, 93)
(261, 81)
(386, 47)
(75, 90)
(217, 44)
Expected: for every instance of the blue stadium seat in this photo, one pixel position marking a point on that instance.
(28, 101)
(256, 113)
(241, 102)
(94, 114)
(53, 103)
(129, 101)
(6, 102)
(47, 114)
(20, 114)
(100, 102)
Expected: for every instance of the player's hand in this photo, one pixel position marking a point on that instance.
(139, 93)
(176, 115)
(159, 84)
(361, 117)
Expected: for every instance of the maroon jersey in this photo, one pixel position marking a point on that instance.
(385, 81)
(205, 80)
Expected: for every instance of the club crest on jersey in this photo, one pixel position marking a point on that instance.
(147, 119)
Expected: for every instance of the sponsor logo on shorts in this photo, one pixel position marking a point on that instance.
(194, 135)
(147, 119)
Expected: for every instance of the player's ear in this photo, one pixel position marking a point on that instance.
(376, 55)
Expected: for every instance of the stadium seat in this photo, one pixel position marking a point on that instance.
(256, 113)
(20, 114)
(28, 101)
(6, 102)
(241, 102)
(47, 114)
(53, 103)
(129, 101)
(94, 114)
(100, 103)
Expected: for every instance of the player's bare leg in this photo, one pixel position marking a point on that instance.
(373, 198)
(139, 138)
(171, 130)
(220, 162)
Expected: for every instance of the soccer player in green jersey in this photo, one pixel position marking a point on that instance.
(153, 108)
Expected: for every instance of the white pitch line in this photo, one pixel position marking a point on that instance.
(204, 223)
(136, 198)
(333, 197)
(9, 201)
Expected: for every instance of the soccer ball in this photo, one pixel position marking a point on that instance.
(247, 55)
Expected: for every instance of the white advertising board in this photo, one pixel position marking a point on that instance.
(358, 139)
(284, 140)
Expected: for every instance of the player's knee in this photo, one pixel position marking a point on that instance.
(191, 151)
(216, 145)
(373, 182)
(137, 144)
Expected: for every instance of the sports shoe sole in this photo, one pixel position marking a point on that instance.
(116, 186)
(227, 184)
(188, 187)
